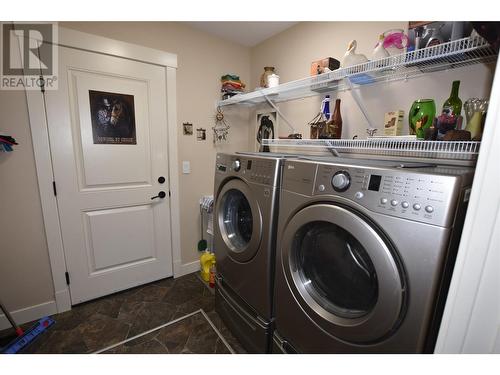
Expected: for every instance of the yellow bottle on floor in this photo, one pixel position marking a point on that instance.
(206, 261)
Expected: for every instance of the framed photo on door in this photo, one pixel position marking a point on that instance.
(266, 127)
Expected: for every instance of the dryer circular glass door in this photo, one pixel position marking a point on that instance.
(239, 220)
(343, 273)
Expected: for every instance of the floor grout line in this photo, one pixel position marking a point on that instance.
(149, 331)
(218, 332)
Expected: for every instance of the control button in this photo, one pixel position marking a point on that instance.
(359, 195)
(321, 187)
(429, 209)
(417, 207)
(394, 202)
(341, 181)
(383, 200)
(405, 204)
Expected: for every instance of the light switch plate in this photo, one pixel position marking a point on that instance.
(186, 167)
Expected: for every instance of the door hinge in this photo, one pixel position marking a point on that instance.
(169, 193)
(66, 274)
(42, 84)
(54, 187)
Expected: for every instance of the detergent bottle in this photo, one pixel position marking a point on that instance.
(206, 261)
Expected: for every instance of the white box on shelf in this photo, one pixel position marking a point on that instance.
(393, 123)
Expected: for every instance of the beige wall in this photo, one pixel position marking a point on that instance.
(293, 50)
(202, 59)
(25, 276)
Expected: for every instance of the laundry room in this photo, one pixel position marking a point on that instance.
(235, 186)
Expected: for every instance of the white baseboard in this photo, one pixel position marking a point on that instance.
(29, 313)
(187, 268)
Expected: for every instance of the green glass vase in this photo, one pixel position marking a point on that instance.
(421, 116)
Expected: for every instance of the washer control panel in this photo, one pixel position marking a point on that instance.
(254, 169)
(407, 194)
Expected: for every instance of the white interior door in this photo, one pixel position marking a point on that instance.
(108, 135)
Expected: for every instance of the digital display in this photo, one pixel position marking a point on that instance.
(249, 164)
(221, 168)
(374, 183)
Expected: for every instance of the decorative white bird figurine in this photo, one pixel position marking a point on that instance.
(380, 52)
(351, 57)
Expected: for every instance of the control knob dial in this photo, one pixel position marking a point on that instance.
(237, 165)
(341, 181)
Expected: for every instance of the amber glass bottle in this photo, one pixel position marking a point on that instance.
(334, 125)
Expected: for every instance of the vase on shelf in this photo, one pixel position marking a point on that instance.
(421, 116)
(268, 70)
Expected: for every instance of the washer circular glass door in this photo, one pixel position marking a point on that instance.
(343, 273)
(239, 220)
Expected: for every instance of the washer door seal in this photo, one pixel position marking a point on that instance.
(343, 273)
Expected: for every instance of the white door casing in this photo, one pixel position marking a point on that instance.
(43, 153)
(115, 236)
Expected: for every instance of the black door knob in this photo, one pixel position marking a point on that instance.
(161, 195)
(161, 179)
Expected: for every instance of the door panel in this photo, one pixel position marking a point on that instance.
(239, 221)
(342, 273)
(118, 237)
(115, 236)
(97, 162)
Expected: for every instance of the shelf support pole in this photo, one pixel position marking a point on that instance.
(359, 102)
(270, 102)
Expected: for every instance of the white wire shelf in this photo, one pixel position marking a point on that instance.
(454, 151)
(450, 55)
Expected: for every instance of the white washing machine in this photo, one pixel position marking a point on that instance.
(365, 251)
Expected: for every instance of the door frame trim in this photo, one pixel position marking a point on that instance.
(43, 157)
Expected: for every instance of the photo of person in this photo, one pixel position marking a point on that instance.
(113, 118)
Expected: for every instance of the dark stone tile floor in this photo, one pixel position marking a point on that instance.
(106, 321)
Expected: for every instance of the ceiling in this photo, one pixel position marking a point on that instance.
(247, 34)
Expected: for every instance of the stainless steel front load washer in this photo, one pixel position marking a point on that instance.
(245, 217)
(365, 251)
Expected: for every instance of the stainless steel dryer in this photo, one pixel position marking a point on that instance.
(245, 217)
(365, 251)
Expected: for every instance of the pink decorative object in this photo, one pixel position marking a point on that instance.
(395, 38)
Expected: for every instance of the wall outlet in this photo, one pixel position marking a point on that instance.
(186, 167)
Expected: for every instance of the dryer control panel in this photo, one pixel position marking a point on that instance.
(255, 169)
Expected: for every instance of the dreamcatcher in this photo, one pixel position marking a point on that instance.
(221, 128)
